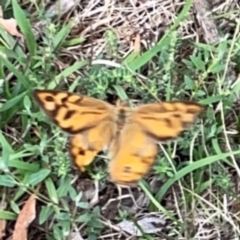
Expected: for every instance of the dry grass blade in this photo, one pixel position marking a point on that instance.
(2, 228)
(204, 17)
(25, 217)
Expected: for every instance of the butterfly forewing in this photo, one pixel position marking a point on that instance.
(89, 120)
(166, 121)
(72, 112)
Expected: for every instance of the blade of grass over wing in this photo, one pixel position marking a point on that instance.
(190, 168)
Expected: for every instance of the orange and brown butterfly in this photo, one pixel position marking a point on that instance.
(130, 135)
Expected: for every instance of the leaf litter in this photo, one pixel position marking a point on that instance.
(10, 25)
(2, 221)
(25, 218)
(151, 224)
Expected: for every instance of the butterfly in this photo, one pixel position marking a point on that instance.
(130, 135)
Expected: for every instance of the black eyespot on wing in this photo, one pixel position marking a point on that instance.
(65, 99)
(49, 99)
(81, 152)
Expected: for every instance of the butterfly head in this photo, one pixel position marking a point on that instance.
(122, 103)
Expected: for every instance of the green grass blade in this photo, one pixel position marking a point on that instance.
(190, 168)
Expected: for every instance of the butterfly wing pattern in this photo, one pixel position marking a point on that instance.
(136, 149)
(129, 135)
(87, 121)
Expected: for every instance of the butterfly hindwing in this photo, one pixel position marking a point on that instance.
(132, 154)
(84, 147)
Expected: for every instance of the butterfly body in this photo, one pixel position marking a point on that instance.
(130, 135)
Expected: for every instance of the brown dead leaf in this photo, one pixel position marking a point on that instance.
(3, 222)
(2, 228)
(10, 25)
(137, 43)
(25, 217)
